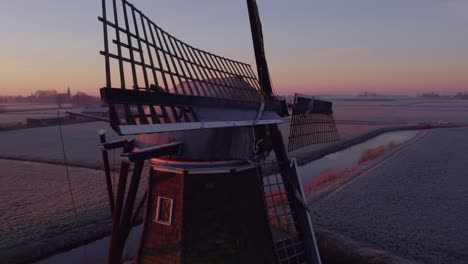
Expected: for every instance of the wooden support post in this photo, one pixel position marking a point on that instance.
(129, 203)
(138, 209)
(116, 248)
(303, 217)
(105, 158)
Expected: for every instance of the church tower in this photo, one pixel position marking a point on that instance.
(68, 93)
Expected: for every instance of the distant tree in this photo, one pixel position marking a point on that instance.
(462, 96)
(19, 99)
(83, 99)
(45, 93)
(46, 96)
(59, 100)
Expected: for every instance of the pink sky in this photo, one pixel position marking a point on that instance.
(318, 47)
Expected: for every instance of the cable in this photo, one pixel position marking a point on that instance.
(258, 157)
(66, 164)
(68, 176)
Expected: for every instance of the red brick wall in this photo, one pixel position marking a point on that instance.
(224, 220)
(162, 242)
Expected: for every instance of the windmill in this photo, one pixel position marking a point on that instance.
(205, 127)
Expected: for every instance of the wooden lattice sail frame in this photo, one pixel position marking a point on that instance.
(153, 78)
(312, 122)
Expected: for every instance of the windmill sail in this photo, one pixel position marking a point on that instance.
(312, 122)
(292, 230)
(307, 128)
(259, 48)
(153, 78)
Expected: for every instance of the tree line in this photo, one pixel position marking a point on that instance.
(53, 97)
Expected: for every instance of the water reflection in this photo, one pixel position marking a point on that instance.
(95, 252)
(347, 159)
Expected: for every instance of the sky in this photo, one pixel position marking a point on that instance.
(312, 46)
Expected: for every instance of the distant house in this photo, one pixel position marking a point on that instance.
(96, 111)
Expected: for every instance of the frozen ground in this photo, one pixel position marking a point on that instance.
(410, 110)
(36, 213)
(29, 107)
(43, 143)
(413, 204)
(36, 208)
(15, 114)
(339, 166)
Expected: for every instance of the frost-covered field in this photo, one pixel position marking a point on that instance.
(36, 212)
(43, 143)
(29, 107)
(403, 110)
(414, 204)
(35, 208)
(18, 113)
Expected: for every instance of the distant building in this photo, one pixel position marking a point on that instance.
(49, 97)
(66, 96)
(430, 95)
(68, 92)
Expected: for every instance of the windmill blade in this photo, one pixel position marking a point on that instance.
(299, 229)
(259, 48)
(312, 122)
(142, 58)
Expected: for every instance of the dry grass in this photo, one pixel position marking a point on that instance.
(329, 177)
(370, 154)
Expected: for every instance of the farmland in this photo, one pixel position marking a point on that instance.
(406, 110)
(13, 114)
(413, 204)
(29, 179)
(37, 214)
(43, 143)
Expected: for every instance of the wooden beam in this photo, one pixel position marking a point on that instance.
(153, 152)
(105, 158)
(136, 97)
(159, 128)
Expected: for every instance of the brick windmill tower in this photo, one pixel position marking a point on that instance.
(205, 127)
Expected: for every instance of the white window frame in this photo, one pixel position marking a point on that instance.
(171, 207)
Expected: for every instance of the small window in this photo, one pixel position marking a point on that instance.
(164, 210)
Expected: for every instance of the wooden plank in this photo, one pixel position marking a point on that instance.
(159, 128)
